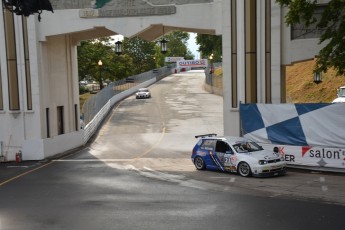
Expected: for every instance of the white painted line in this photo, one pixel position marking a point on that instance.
(17, 166)
(219, 177)
(93, 160)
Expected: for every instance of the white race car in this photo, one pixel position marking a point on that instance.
(143, 93)
(236, 154)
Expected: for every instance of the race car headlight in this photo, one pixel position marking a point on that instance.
(263, 162)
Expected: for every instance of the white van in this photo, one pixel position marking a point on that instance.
(340, 95)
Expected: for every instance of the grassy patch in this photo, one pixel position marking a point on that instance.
(300, 87)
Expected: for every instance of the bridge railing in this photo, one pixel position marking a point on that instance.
(97, 107)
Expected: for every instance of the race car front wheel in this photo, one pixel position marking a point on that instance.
(244, 169)
(199, 163)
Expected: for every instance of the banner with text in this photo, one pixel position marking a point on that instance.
(192, 63)
(310, 134)
(173, 59)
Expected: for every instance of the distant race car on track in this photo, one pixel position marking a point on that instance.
(143, 93)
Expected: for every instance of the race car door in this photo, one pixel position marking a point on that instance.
(222, 153)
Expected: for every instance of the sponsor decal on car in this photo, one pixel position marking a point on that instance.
(201, 153)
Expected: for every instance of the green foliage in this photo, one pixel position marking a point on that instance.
(178, 45)
(89, 54)
(138, 56)
(83, 89)
(141, 52)
(332, 25)
(210, 44)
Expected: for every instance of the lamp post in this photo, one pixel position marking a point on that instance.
(317, 77)
(118, 47)
(100, 74)
(164, 46)
(211, 71)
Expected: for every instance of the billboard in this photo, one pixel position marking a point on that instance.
(192, 63)
(173, 59)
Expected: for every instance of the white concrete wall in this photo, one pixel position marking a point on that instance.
(298, 49)
(193, 16)
(230, 115)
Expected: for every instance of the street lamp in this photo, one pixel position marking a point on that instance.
(211, 71)
(100, 74)
(118, 47)
(317, 77)
(164, 46)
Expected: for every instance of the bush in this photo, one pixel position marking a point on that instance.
(83, 89)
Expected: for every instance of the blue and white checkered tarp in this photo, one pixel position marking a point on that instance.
(295, 124)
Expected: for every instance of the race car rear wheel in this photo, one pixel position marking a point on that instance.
(244, 169)
(199, 163)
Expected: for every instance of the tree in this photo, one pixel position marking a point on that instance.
(112, 69)
(332, 25)
(178, 45)
(141, 52)
(210, 44)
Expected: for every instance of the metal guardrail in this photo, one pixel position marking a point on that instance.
(98, 106)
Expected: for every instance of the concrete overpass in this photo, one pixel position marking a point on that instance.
(39, 94)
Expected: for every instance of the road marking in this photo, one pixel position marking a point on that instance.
(93, 160)
(23, 174)
(154, 146)
(17, 167)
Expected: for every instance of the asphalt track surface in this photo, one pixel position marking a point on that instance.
(137, 174)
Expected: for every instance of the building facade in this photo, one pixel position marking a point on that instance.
(39, 94)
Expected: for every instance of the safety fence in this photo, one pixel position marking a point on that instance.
(98, 106)
(213, 81)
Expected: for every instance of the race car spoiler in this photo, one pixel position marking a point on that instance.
(206, 135)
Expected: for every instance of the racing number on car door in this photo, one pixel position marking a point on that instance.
(223, 154)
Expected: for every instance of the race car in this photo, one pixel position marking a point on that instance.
(236, 154)
(143, 93)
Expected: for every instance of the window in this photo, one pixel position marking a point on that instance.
(223, 147)
(208, 144)
(76, 119)
(250, 52)
(27, 65)
(1, 96)
(12, 74)
(234, 94)
(47, 122)
(60, 120)
(268, 83)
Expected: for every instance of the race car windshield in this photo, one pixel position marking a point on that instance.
(245, 147)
